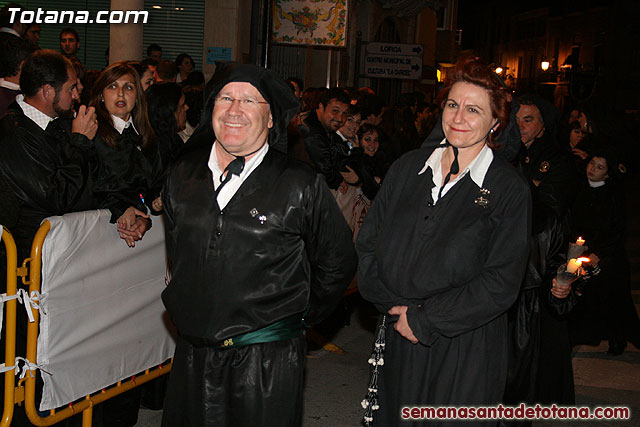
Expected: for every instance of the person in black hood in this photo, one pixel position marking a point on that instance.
(258, 248)
(548, 169)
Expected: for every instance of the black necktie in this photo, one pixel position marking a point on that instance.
(234, 168)
(453, 170)
(129, 131)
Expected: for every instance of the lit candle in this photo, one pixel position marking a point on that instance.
(580, 241)
(573, 265)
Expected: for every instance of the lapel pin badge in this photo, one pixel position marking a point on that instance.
(483, 199)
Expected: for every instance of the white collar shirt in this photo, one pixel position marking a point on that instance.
(231, 187)
(38, 117)
(10, 31)
(120, 125)
(477, 169)
(345, 139)
(8, 85)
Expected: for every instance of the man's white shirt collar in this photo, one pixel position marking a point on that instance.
(8, 85)
(38, 117)
(10, 31)
(236, 181)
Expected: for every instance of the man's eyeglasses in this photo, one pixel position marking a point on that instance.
(227, 101)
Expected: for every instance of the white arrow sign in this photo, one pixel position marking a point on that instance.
(393, 67)
(395, 49)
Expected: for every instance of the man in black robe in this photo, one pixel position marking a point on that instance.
(47, 157)
(549, 171)
(258, 249)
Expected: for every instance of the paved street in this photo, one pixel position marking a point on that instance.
(336, 382)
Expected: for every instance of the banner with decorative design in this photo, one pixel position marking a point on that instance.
(310, 22)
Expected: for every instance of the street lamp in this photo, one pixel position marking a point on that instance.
(498, 70)
(544, 65)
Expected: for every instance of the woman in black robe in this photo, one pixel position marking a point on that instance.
(606, 310)
(442, 254)
(129, 176)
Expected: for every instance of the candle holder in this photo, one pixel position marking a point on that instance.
(564, 278)
(576, 251)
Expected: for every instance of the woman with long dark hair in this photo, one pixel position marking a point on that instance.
(129, 162)
(442, 254)
(168, 116)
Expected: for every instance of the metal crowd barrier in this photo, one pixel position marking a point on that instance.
(25, 392)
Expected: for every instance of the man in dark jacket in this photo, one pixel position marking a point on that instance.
(326, 149)
(258, 248)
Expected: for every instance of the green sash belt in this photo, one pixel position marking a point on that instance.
(287, 328)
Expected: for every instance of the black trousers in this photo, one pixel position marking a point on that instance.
(257, 385)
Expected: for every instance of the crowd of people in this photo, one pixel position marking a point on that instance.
(461, 210)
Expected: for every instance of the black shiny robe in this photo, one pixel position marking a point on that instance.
(540, 369)
(543, 161)
(606, 310)
(458, 266)
(281, 246)
(127, 173)
(50, 171)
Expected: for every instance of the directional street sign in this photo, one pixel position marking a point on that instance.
(395, 49)
(393, 67)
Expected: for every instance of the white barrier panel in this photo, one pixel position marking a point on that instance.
(101, 316)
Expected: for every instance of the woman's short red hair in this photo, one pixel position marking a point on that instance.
(471, 69)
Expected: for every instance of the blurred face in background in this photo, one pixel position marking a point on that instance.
(181, 113)
(370, 142)
(530, 123)
(333, 115)
(33, 35)
(186, 66)
(296, 88)
(597, 169)
(156, 54)
(351, 126)
(69, 44)
(575, 137)
(148, 78)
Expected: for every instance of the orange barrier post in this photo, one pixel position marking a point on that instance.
(10, 331)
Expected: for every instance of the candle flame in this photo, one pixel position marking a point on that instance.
(583, 259)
